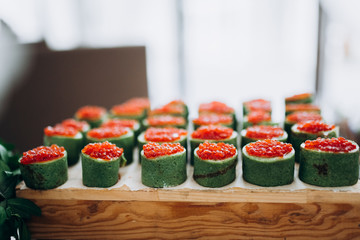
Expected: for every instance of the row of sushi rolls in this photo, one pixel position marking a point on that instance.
(105, 140)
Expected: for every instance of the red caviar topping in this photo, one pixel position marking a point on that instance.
(120, 123)
(215, 107)
(90, 112)
(168, 109)
(314, 127)
(298, 117)
(330, 145)
(60, 130)
(177, 102)
(127, 109)
(215, 151)
(301, 107)
(207, 119)
(212, 132)
(264, 132)
(258, 105)
(298, 97)
(256, 117)
(105, 151)
(164, 134)
(42, 154)
(107, 132)
(154, 150)
(165, 120)
(268, 148)
(79, 125)
(141, 102)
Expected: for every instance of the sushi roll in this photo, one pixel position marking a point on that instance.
(255, 133)
(310, 130)
(93, 115)
(301, 107)
(44, 167)
(69, 138)
(211, 133)
(257, 118)
(215, 164)
(141, 102)
(298, 117)
(213, 119)
(130, 123)
(300, 98)
(256, 105)
(121, 136)
(163, 165)
(329, 162)
(268, 163)
(172, 108)
(165, 121)
(216, 107)
(100, 164)
(128, 111)
(81, 126)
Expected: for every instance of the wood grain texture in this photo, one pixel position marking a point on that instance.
(84, 219)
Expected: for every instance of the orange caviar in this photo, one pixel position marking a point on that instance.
(90, 112)
(215, 107)
(264, 132)
(258, 105)
(141, 102)
(107, 132)
(207, 119)
(298, 117)
(127, 109)
(256, 117)
(78, 125)
(60, 130)
(164, 134)
(301, 107)
(165, 120)
(268, 148)
(168, 109)
(215, 151)
(42, 154)
(120, 123)
(298, 97)
(154, 150)
(105, 151)
(212, 132)
(335, 145)
(314, 127)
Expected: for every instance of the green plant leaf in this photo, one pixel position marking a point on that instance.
(3, 215)
(24, 232)
(24, 207)
(4, 166)
(7, 184)
(13, 160)
(3, 154)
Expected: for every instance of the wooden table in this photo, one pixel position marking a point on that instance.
(130, 210)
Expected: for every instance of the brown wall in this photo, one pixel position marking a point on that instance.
(59, 82)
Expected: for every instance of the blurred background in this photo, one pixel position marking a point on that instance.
(59, 55)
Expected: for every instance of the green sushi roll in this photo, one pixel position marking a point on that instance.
(214, 119)
(174, 108)
(134, 125)
(258, 118)
(256, 105)
(121, 136)
(163, 165)
(215, 164)
(268, 163)
(211, 133)
(300, 98)
(128, 111)
(298, 117)
(255, 133)
(221, 108)
(310, 130)
(93, 115)
(331, 162)
(81, 126)
(301, 107)
(100, 164)
(44, 167)
(69, 138)
(165, 121)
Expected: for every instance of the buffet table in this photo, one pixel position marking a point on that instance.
(130, 210)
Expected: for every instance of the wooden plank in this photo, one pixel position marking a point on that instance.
(84, 219)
